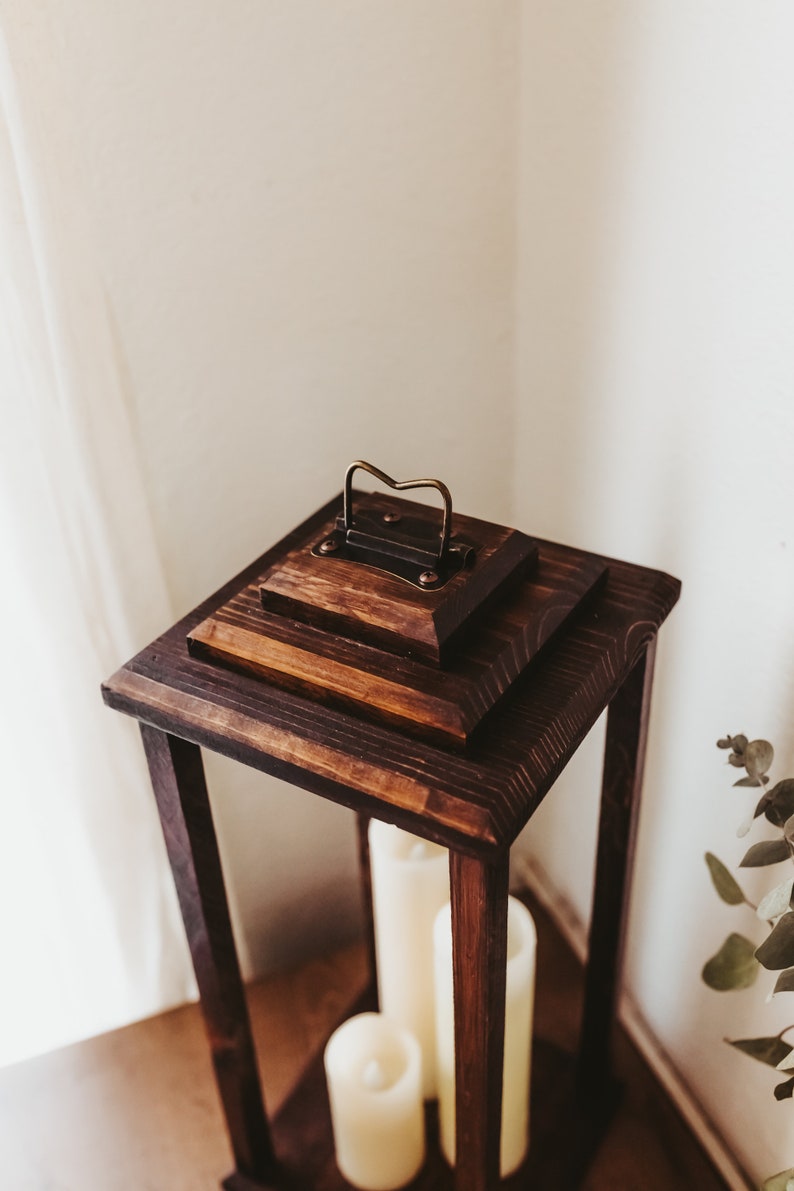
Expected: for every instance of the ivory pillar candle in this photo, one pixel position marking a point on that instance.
(373, 1069)
(519, 1003)
(410, 883)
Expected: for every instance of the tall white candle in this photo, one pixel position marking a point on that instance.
(373, 1069)
(519, 1003)
(410, 883)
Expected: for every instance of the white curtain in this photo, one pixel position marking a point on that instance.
(89, 931)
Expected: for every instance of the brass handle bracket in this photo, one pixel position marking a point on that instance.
(406, 546)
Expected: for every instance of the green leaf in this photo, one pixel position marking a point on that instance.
(770, 851)
(779, 1182)
(733, 967)
(777, 951)
(771, 1051)
(779, 802)
(785, 982)
(776, 902)
(758, 756)
(752, 781)
(726, 886)
(784, 1091)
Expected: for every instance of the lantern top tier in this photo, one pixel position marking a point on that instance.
(401, 613)
(390, 581)
(446, 704)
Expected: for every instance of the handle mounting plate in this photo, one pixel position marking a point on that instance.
(407, 547)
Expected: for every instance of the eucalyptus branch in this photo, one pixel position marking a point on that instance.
(738, 962)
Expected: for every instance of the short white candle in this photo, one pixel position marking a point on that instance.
(410, 883)
(519, 1003)
(373, 1069)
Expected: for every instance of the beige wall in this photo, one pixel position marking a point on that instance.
(305, 223)
(655, 367)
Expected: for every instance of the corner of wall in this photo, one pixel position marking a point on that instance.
(528, 873)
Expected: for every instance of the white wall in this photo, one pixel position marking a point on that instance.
(305, 221)
(655, 422)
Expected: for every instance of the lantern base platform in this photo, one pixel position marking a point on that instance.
(564, 1135)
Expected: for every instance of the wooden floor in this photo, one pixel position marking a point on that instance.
(135, 1110)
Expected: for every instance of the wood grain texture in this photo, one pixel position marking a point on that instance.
(479, 961)
(177, 777)
(445, 704)
(477, 802)
(366, 604)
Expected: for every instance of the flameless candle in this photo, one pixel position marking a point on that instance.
(519, 1001)
(410, 883)
(373, 1069)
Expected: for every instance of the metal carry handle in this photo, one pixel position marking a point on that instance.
(398, 486)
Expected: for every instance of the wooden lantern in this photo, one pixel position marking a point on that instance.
(437, 673)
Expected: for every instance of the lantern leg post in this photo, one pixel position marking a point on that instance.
(624, 758)
(479, 892)
(365, 880)
(180, 789)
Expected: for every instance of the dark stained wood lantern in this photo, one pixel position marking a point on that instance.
(436, 672)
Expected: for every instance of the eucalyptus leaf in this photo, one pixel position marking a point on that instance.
(736, 760)
(762, 806)
(752, 781)
(770, 851)
(758, 756)
(733, 967)
(737, 743)
(724, 883)
(788, 829)
(744, 827)
(784, 1091)
(785, 982)
(779, 802)
(772, 1051)
(777, 951)
(779, 1182)
(776, 902)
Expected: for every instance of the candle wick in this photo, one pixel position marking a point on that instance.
(374, 1077)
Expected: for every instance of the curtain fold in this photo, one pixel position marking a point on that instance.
(90, 931)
